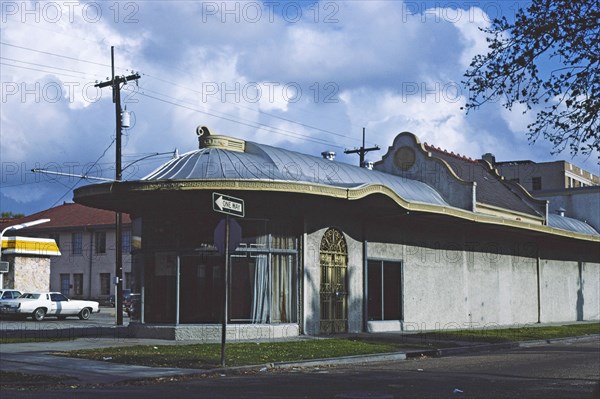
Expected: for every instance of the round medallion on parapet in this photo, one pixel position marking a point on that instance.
(404, 158)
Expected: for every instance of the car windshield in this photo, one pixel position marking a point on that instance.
(30, 296)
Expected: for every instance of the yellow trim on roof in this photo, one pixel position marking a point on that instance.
(327, 191)
(29, 246)
(509, 214)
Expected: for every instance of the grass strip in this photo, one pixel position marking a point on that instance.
(525, 333)
(205, 356)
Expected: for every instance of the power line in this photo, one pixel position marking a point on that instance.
(40, 70)
(42, 65)
(256, 125)
(230, 118)
(88, 170)
(53, 54)
(254, 109)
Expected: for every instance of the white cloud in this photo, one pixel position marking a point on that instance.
(340, 67)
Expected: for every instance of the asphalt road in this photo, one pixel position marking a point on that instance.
(106, 318)
(566, 370)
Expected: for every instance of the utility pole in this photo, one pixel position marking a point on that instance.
(116, 83)
(362, 150)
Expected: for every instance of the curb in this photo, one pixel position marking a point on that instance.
(336, 361)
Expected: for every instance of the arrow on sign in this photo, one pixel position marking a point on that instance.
(229, 205)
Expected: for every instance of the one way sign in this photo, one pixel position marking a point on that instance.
(229, 205)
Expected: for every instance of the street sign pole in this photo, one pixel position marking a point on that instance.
(226, 293)
(230, 206)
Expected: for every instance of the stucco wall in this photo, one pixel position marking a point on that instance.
(458, 276)
(591, 291)
(29, 273)
(570, 291)
(312, 280)
(446, 288)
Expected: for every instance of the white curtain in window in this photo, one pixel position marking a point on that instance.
(272, 297)
(282, 276)
(260, 296)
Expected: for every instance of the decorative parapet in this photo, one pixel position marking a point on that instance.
(206, 139)
(408, 158)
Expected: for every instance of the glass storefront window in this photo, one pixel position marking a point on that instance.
(263, 275)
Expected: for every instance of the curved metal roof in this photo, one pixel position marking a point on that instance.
(263, 162)
(570, 224)
(259, 162)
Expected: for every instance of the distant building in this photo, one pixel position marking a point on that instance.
(581, 203)
(570, 190)
(537, 176)
(86, 238)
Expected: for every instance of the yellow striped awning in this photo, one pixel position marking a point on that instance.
(29, 246)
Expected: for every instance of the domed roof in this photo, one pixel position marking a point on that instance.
(259, 162)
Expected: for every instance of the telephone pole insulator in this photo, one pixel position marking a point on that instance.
(362, 150)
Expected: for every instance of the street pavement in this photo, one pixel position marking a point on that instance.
(37, 358)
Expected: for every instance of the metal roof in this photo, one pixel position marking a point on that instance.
(570, 224)
(259, 162)
(263, 162)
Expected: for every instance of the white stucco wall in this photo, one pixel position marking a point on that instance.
(448, 285)
(29, 273)
(591, 291)
(312, 281)
(558, 291)
(449, 289)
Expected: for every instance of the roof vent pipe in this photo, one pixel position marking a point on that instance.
(561, 211)
(329, 155)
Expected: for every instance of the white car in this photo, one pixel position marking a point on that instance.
(9, 294)
(41, 304)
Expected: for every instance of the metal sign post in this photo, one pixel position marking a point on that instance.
(230, 206)
(226, 294)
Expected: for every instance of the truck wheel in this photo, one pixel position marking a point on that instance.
(84, 314)
(39, 314)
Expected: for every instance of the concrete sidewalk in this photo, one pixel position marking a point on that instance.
(37, 358)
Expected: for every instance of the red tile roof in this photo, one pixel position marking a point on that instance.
(68, 215)
(430, 147)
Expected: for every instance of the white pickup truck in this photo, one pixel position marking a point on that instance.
(41, 304)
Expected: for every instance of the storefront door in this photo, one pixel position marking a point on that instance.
(333, 288)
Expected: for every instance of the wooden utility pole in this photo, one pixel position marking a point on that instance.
(362, 150)
(116, 83)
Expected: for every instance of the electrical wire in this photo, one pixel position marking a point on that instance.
(229, 118)
(86, 172)
(256, 126)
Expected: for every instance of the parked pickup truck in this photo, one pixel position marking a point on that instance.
(41, 304)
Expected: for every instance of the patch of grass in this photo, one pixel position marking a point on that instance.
(526, 333)
(203, 356)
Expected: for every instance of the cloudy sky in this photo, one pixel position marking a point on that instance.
(303, 75)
